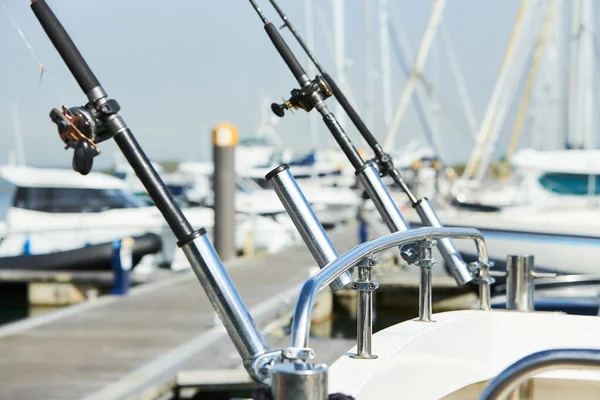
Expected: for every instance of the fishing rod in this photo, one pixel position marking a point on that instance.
(82, 128)
(312, 95)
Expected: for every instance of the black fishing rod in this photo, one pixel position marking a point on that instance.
(312, 95)
(384, 161)
(82, 128)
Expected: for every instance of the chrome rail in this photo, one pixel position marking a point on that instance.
(306, 300)
(519, 372)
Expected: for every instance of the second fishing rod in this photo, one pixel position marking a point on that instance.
(312, 94)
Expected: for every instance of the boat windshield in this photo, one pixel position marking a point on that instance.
(571, 184)
(73, 200)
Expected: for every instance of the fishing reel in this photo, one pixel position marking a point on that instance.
(305, 98)
(81, 128)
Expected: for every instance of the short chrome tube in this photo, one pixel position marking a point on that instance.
(458, 268)
(305, 220)
(370, 180)
(299, 381)
(225, 298)
(519, 283)
(534, 364)
(306, 300)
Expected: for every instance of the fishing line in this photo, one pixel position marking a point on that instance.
(44, 71)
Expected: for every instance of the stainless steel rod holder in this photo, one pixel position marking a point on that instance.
(364, 311)
(370, 180)
(458, 268)
(306, 221)
(225, 299)
(519, 283)
(299, 381)
(425, 262)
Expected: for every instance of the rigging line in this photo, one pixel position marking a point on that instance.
(460, 81)
(419, 62)
(43, 68)
(423, 119)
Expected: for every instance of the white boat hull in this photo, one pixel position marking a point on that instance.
(431, 360)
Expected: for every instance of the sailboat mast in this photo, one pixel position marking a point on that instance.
(384, 39)
(337, 7)
(587, 73)
(419, 63)
(369, 95)
(574, 139)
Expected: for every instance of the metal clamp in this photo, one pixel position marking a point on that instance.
(482, 278)
(261, 365)
(364, 310)
(299, 353)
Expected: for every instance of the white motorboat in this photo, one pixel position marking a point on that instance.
(52, 210)
(332, 204)
(551, 210)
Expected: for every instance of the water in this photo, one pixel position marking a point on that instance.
(13, 302)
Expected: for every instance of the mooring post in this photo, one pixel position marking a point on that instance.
(225, 138)
(122, 263)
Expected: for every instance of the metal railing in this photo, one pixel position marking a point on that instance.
(519, 372)
(302, 314)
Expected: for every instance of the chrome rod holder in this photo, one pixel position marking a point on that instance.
(425, 261)
(299, 381)
(226, 301)
(305, 221)
(364, 311)
(378, 193)
(520, 282)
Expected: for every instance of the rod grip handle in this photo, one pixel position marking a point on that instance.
(285, 52)
(65, 46)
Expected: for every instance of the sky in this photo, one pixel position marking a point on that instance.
(179, 67)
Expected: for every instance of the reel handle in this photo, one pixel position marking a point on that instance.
(65, 46)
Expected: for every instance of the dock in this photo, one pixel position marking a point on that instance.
(162, 336)
(134, 346)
